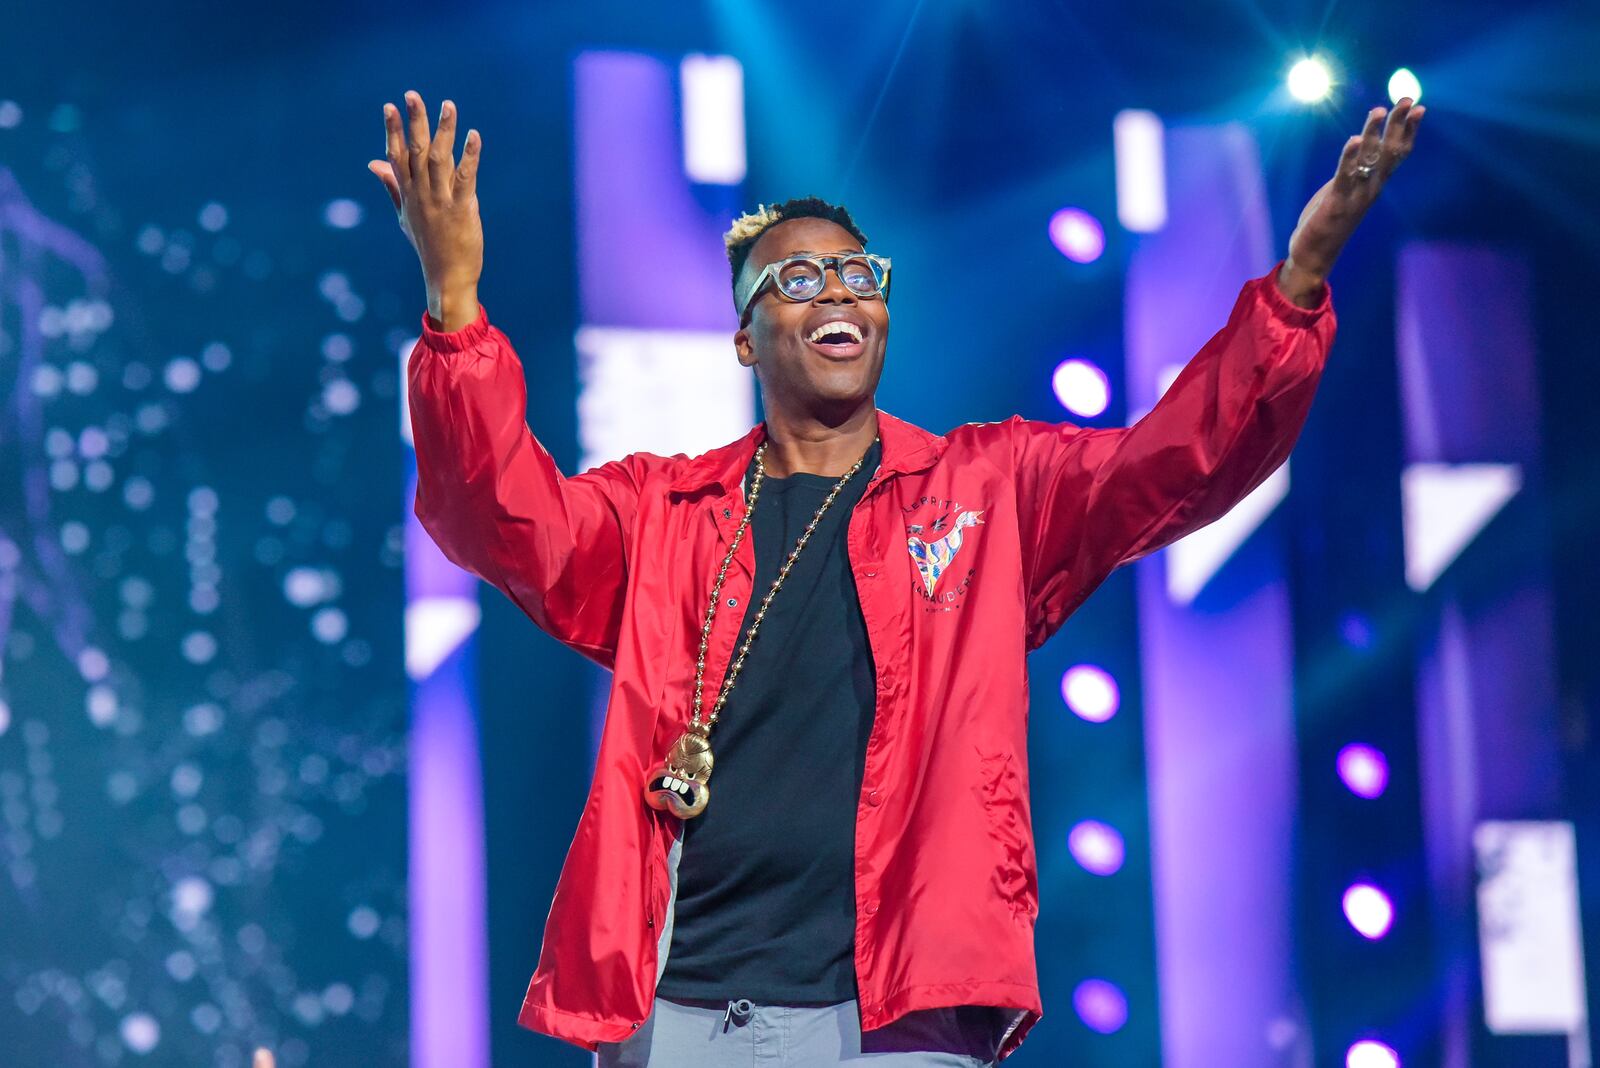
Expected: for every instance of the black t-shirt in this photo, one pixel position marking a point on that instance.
(766, 881)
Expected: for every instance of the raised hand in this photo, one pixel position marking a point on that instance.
(437, 204)
(262, 1059)
(1331, 217)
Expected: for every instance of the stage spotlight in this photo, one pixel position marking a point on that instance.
(1098, 847)
(1310, 80)
(1364, 770)
(1077, 235)
(1081, 387)
(713, 119)
(1139, 140)
(1402, 83)
(1101, 1005)
(1090, 692)
(1369, 910)
(1371, 1054)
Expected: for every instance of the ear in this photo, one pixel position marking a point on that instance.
(742, 346)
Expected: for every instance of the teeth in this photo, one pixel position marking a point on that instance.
(671, 783)
(838, 326)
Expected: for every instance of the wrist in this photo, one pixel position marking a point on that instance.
(1302, 285)
(453, 307)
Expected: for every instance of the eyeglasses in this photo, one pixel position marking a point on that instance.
(801, 278)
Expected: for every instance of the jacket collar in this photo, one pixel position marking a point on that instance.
(906, 448)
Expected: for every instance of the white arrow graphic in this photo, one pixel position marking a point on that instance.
(1444, 506)
(1192, 561)
(435, 627)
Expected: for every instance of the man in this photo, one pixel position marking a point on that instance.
(808, 836)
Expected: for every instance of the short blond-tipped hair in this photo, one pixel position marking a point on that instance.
(748, 228)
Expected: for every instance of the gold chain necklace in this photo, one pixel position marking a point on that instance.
(681, 783)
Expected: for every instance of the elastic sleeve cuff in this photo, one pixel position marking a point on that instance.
(455, 340)
(1286, 309)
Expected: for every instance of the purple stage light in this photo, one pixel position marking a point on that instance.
(1102, 1006)
(1369, 910)
(1081, 387)
(1097, 846)
(1090, 692)
(1369, 1053)
(1077, 235)
(1364, 770)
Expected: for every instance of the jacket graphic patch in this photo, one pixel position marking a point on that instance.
(933, 545)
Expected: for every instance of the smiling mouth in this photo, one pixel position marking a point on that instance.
(838, 339)
(838, 347)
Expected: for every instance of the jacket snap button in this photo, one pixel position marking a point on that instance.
(733, 602)
(872, 908)
(874, 798)
(727, 513)
(870, 574)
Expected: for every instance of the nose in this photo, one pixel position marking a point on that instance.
(834, 291)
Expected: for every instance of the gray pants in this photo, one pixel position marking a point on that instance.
(740, 1033)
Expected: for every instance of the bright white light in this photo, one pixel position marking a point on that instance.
(1370, 1054)
(1081, 387)
(1139, 140)
(1090, 692)
(1098, 847)
(663, 391)
(342, 214)
(192, 896)
(182, 375)
(1530, 930)
(1364, 769)
(1077, 235)
(306, 586)
(713, 119)
(329, 625)
(140, 1032)
(1402, 83)
(1369, 910)
(340, 396)
(1310, 80)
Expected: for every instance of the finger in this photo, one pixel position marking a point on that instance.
(1370, 136)
(467, 174)
(1349, 159)
(385, 175)
(262, 1059)
(442, 152)
(417, 142)
(1405, 138)
(395, 146)
(1394, 126)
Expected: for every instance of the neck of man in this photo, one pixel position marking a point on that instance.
(816, 443)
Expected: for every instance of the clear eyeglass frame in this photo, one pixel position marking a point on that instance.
(877, 266)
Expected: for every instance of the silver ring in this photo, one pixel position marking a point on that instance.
(1364, 170)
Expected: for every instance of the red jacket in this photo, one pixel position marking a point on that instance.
(969, 549)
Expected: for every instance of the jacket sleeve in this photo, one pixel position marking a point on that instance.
(1091, 500)
(492, 498)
